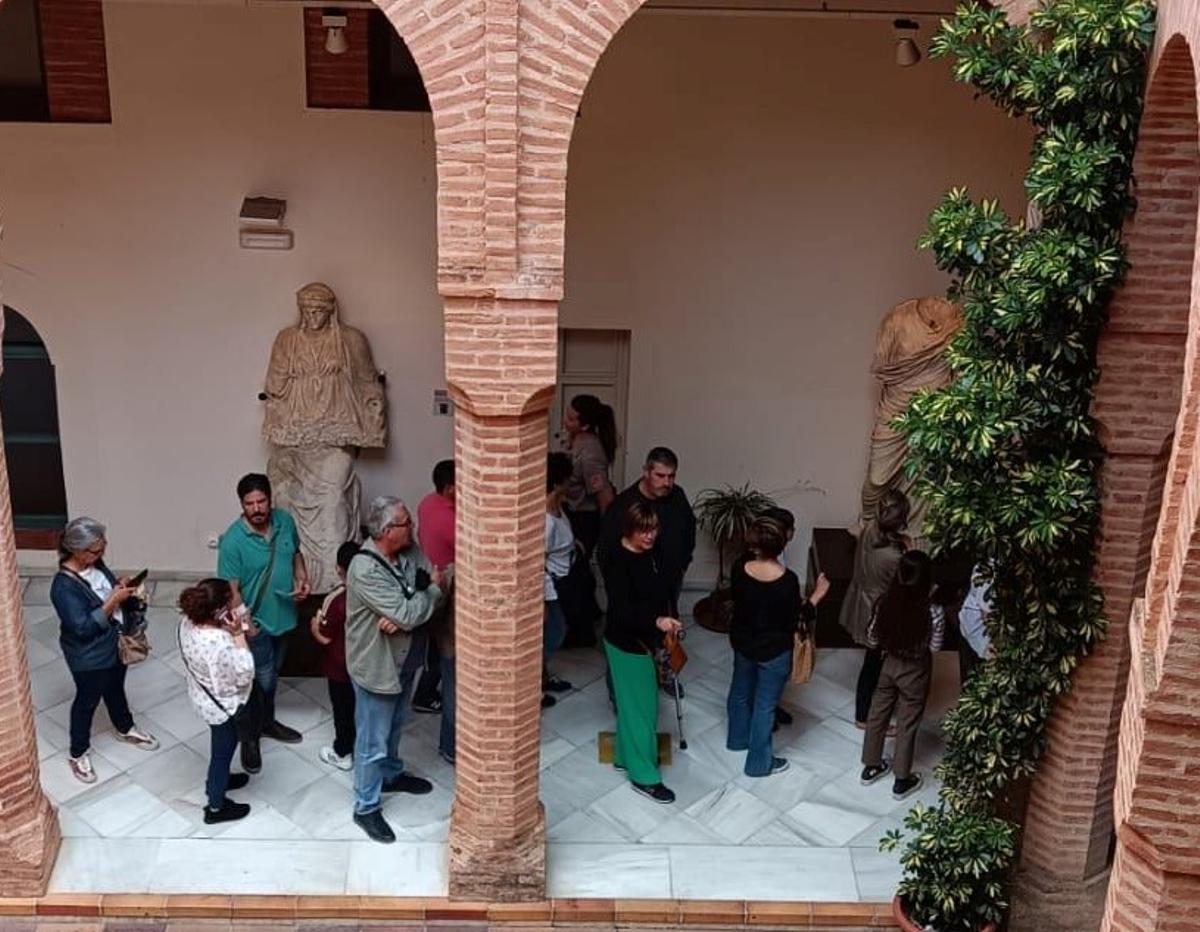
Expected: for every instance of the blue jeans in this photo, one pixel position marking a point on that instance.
(753, 695)
(224, 743)
(554, 628)
(446, 737)
(378, 720)
(268, 651)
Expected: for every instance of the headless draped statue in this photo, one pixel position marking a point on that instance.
(909, 357)
(324, 401)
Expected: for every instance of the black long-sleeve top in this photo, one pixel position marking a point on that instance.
(766, 614)
(637, 598)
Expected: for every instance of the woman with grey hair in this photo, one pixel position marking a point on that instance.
(90, 603)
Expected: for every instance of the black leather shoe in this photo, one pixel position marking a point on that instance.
(376, 827)
(783, 716)
(237, 781)
(229, 812)
(251, 756)
(407, 783)
(277, 731)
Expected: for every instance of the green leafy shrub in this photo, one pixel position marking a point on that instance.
(1007, 456)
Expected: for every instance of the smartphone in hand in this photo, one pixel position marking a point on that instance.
(135, 581)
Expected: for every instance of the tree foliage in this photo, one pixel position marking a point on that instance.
(1007, 456)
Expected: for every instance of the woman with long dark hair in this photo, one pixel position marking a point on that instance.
(907, 627)
(880, 547)
(591, 432)
(91, 604)
(220, 672)
(767, 610)
(639, 615)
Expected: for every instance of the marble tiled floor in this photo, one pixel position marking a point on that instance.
(807, 834)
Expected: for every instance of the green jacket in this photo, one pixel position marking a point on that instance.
(372, 657)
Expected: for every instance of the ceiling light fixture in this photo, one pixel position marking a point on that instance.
(907, 53)
(335, 32)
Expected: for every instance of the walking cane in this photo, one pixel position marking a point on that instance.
(679, 714)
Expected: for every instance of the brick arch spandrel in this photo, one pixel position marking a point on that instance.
(1157, 798)
(561, 44)
(1149, 446)
(446, 39)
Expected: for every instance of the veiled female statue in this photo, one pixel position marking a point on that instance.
(324, 401)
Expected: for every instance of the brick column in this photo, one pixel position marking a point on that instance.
(1069, 826)
(75, 60)
(500, 357)
(28, 828)
(337, 81)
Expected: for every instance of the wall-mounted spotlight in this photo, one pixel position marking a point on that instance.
(335, 32)
(907, 53)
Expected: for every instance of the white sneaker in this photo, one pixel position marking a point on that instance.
(330, 757)
(81, 767)
(140, 739)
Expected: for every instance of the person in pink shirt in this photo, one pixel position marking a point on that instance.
(435, 534)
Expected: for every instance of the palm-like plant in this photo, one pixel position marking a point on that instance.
(726, 514)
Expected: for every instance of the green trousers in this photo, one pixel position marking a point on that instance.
(635, 688)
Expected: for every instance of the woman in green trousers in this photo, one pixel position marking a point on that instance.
(638, 617)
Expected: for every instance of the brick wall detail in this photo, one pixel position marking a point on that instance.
(29, 835)
(336, 81)
(75, 60)
(1155, 883)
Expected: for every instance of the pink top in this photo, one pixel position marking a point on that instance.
(435, 529)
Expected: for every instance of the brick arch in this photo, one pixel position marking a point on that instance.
(1146, 368)
(1156, 800)
(447, 42)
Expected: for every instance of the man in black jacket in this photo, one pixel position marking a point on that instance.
(677, 524)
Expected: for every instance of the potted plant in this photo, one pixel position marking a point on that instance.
(956, 867)
(726, 514)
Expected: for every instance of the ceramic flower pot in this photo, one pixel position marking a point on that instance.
(909, 926)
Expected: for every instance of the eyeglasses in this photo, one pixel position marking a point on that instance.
(407, 522)
(98, 549)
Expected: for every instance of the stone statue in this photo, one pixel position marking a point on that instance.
(909, 356)
(324, 401)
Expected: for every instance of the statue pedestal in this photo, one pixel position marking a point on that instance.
(832, 553)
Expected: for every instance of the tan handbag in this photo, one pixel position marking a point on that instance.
(804, 655)
(133, 648)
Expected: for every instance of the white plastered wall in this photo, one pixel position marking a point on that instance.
(744, 196)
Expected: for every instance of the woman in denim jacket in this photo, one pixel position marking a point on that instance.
(89, 600)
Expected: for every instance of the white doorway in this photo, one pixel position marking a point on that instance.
(593, 362)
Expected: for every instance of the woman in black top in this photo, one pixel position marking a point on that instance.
(639, 615)
(767, 609)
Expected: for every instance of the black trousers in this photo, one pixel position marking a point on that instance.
(341, 696)
(90, 687)
(868, 679)
(431, 675)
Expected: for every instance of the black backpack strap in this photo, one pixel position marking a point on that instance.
(405, 587)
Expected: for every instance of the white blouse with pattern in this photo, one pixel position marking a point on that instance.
(214, 659)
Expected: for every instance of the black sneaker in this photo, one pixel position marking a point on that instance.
(407, 783)
(783, 716)
(278, 731)
(376, 827)
(229, 812)
(902, 789)
(237, 781)
(548, 701)
(428, 706)
(655, 791)
(251, 756)
(554, 685)
(448, 756)
(779, 764)
(873, 772)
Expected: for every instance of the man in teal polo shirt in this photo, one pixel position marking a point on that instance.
(260, 557)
